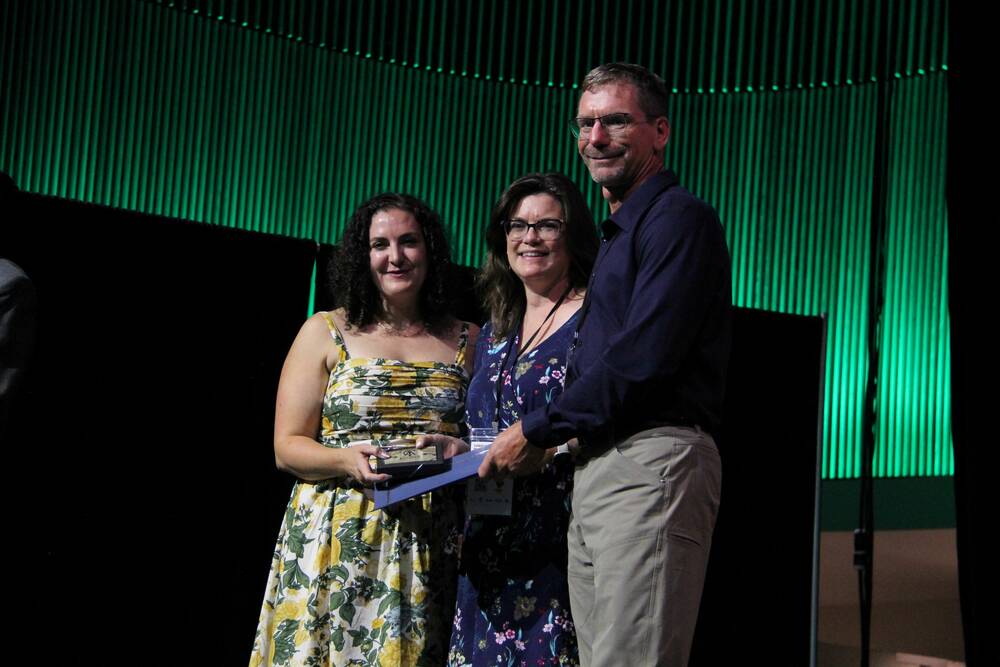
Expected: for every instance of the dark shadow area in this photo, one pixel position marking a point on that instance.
(142, 437)
(759, 587)
(971, 287)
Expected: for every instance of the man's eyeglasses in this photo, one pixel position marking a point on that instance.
(547, 230)
(614, 123)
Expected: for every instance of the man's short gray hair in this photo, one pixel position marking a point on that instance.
(653, 96)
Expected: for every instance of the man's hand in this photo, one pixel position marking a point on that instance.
(511, 454)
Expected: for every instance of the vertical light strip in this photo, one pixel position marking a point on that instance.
(916, 429)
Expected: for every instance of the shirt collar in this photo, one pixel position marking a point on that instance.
(635, 206)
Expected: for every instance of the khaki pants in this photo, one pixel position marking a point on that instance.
(639, 537)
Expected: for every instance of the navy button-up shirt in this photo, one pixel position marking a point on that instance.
(655, 332)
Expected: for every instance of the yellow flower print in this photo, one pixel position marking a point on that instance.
(319, 502)
(288, 608)
(347, 510)
(370, 533)
(334, 550)
(326, 555)
(378, 623)
(390, 653)
(523, 607)
(301, 635)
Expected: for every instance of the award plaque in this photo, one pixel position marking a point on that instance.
(406, 460)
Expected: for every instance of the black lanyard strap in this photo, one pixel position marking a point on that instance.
(522, 349)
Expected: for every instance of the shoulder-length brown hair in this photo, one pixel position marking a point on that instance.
(502, 290)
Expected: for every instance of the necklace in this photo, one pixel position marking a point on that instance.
(402, 331)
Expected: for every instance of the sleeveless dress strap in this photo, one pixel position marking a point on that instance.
(463, 338)
(337, 338)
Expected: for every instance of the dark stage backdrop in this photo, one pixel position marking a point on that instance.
(139, 453)
(761, 588)
(281, 116)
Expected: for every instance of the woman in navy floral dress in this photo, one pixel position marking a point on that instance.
(513, 601)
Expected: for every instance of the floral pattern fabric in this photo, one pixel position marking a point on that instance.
(350, 584)
(513, 601)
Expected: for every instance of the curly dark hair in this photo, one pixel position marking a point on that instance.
(350, 272)
(501, 288)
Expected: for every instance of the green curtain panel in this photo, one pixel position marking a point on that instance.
(282, 116)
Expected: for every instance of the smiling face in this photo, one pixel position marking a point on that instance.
(533, 259)
(620, 162)
(397, 253)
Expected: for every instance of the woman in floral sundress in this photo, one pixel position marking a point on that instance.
(349, 584)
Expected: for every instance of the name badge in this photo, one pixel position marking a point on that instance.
(489, 496)
(481, 438)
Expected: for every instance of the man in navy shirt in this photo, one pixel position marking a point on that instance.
(644, 389)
